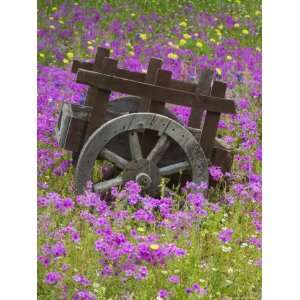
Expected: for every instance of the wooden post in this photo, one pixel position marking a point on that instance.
(100, 98)
(151, 77)
(163, 79)
(211, 121)
(204, 88)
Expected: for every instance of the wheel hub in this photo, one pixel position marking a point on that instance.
(144, 180)
(144, 172)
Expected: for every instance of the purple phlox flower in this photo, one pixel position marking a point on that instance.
(229, 199)
(45, 260)
(81, 280)
(142, 273)
(84, 295)
(52, 277)
(225, 235)
(255, 241)
(174, 279)
(243, 104)
(163, 294)
(198, 289)
(196, 199)
(65, 267)
(215, 172)
(58, 249)
(106, 271)
(144, 215)
(133, 189)
(68, 203)
(215, 207)
(42, 201)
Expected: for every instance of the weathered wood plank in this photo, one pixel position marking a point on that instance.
(96, 65)
(106, 185)
(204, 88)
(159, 149)
(163, 79)
(151, 77)
(81, 65)
(211, 122)
(173, 169)
(132, 75)
(119, 161)
(114, 83)
(101, 98)
(135, 146)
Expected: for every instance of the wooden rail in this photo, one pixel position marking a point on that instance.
(164, 94)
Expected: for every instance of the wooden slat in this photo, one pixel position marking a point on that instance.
(151, 77)
(96, 66)
(81, 65)
(163, 79)
(163, 94)
(204, 88)
(101, 98)
(131, 75)
(101, 54)
(211, 121)
(183, 85)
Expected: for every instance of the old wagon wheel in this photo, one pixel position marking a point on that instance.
(142, 168)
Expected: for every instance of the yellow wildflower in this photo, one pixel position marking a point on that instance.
(143, 36)
(172, 55)
(186, 36)
(111, 51)
(221, 26)
(52, 27)
(229, 57)
(131, 53)
(65, 61)
(61, 22)
(128, 44)
(132, 14)
(182, 42)
(70, 55)
(237, 1)
(258, 49)
(219, 33)
(90, 42)
(257, 13)
(183, 24)
(154, 247)
(54, 8)
(212, 40)
(91, 48)
(199, 44)
(219, 71)
(247, 17)
(42, 55)
(236, 25)
(245, 31)
(141, 229)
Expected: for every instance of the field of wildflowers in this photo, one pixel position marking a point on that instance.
(154, 248)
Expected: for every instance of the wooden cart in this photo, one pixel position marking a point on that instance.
(137, 134)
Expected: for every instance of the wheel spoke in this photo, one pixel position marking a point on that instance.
(135, 146)
(175, 168)
(117, 160)
(159, 150)
(105, 185)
